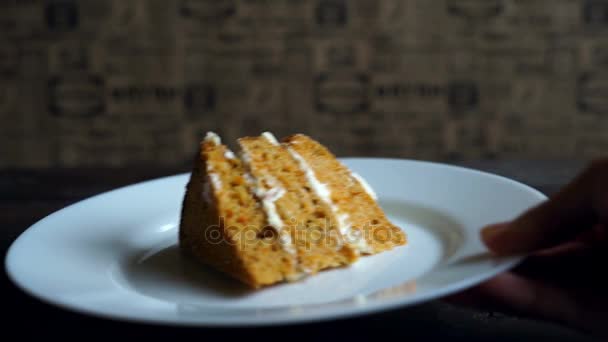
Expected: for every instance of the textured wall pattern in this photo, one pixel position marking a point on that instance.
(133, 81)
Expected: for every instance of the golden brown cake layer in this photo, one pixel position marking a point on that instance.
(221, 222)
(365, 217)
(301, 213)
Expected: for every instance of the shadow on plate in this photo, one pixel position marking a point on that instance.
(169, 274)
(447, 230)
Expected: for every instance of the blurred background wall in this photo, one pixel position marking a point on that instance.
(88, 83)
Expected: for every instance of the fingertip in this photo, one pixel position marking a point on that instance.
(490, 235)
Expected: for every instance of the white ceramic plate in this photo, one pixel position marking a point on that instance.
(115, 254)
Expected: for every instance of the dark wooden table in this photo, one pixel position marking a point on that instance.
(27, 196)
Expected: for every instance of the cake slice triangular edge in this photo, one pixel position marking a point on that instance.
(222, 222)
(361, 219)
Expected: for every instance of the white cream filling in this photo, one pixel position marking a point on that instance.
(359, 242)
(229, 154)
(270, 137)
(343, 225)
(323, 192)
(268, 197)
(319, 188)
(365, 186)
(212, 137)
(286, 242)
(215, 180)
(278, 192)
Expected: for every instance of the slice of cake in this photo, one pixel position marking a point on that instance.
(279, 211)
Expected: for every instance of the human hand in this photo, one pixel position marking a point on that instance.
(565, 277)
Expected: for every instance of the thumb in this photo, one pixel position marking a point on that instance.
(568, 213)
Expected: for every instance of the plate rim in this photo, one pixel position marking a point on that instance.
(334, 313)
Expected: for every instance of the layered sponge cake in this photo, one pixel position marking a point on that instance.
(279, 211)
